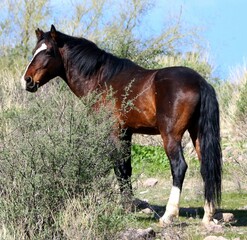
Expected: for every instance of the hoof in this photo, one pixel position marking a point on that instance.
(169, 216)
(165, 222)
(212, 222)
(212, 226)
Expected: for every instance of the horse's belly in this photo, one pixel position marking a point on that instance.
(140, 120)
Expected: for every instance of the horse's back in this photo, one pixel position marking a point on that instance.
(177, 81)
(179, 75)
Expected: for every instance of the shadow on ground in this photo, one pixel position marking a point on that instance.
(240, 215)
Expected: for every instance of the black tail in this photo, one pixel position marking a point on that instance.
(209, 137)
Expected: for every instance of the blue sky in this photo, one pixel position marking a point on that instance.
(223, 25)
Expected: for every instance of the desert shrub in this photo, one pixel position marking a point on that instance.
(232, 101)
(241, 111)
(53, 148)
(93, 217)
(199, 61)
(233, 106)
(232, 95)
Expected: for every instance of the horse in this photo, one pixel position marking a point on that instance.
(167, 101)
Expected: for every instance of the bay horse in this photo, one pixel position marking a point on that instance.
(166, 101)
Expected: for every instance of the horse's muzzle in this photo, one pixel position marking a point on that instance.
(31, 86)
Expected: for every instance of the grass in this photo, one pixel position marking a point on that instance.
(149, 159)
(188, 226)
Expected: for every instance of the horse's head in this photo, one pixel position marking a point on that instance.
(46, 62)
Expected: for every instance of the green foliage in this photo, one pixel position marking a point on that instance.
(126, 35)
(25, 16)
(195, 60)
(122, 33)
(149, 159)
(225, 90)
(232, 98)
(242, 100)
(54, 149)
(93, 217)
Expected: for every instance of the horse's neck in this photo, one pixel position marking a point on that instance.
(79, 84)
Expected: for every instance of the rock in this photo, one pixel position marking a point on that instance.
(170, 234)
(144, 192)
(214, 238)
(146, 233)
(214, 228)
(137, 234)
(150, 182)
(147, 211)
(210, 238)
(228, 217)
(225, 217)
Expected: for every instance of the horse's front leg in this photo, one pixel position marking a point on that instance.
(123, 169)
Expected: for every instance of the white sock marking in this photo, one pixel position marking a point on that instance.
(209, 210)
(43, 47)
(172, 207)
(174, 196)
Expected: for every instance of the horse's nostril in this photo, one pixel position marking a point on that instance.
(28, 79)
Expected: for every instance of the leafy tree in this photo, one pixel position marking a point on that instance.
(195, 60)
(120, 33)
(18, 21)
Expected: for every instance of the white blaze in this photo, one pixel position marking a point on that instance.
(41, 48)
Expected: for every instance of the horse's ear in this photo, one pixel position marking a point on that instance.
(39, 33)
(56, 37)
(53, 33)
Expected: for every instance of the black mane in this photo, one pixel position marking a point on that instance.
(88, 58)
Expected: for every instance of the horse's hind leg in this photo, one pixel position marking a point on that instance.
(173, 148)
(209, 208)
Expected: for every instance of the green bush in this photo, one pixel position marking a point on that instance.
(53, 149)
(196, 60)
(242, 100)
(90, 219)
